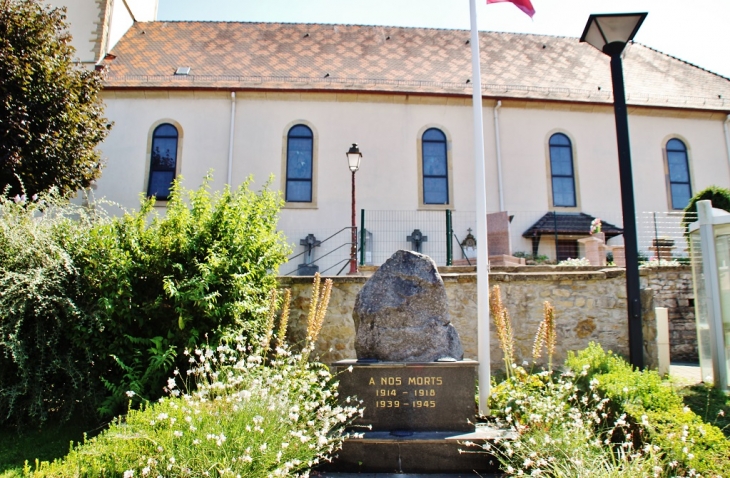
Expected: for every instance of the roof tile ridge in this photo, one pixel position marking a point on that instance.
(398, 27)
(680, 59)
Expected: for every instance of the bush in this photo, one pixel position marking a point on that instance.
(720, 198)
(656, 409)
(114, 301)
(41, 370)
(251, 413)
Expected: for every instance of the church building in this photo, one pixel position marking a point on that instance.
(288, 100)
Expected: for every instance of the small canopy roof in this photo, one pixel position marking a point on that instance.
(569, 224)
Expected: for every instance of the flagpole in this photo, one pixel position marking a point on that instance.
(481, 211)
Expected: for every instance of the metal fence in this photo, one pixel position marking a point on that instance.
(381, 233)
(330, 250)
(661, 235)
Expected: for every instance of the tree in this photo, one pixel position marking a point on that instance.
(51, 116)
(720, 198)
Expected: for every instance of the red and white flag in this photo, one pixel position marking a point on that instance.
(523, 5)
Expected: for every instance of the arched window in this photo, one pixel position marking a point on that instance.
(561, 171)
(299, 155)
(435, 167)
(678, 168)
(163, 161)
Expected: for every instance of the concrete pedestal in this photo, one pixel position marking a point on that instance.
(417, 417)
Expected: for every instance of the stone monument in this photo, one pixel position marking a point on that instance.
(401, 313)
(417, 390)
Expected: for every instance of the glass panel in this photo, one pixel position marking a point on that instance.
(676, 145)
(561, 161)
(559, 140)
(563, 192)
(164, 153)
(618, 28)
(435, 191)
(434, 135)
(301, 131)
(160, 183)
(298, 191)
(434, 159)
(680, 196)
(701, 317)
(677, 167)
(722, 249)
(166, 130)
(299, 160)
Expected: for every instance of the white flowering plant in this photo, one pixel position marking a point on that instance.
(582, 261)
(601, 418)
(240, 410)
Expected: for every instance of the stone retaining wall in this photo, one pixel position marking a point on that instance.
(590, 305)
(672, 288)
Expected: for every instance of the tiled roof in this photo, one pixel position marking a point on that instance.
(569, 224)
(274, 56)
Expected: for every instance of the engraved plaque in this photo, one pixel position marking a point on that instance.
(412, 396)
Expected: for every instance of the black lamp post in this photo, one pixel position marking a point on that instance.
(353, 161)
(610, 33)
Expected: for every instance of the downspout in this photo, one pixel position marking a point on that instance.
(499, 153)
(727, 137)
(230, 137)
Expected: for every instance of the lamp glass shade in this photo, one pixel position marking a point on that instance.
(605, 29)
(353, 157)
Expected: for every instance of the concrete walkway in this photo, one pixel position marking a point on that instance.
(686, 372)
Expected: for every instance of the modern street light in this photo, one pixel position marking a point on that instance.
(609, 33)
(353, 161)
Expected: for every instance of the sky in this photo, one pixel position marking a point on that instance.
(692, 30)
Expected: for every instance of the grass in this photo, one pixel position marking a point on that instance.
(47, 444)
(712, 405)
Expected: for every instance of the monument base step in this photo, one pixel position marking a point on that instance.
(418, 452)
(472, 474)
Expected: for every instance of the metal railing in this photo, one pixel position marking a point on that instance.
(383, 232)
(330, 252)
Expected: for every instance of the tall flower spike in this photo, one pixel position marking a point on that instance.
(504, 328)
(284, 320)
(311, 317)
(550, 332)
(269, 321)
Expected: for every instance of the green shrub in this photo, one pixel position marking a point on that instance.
(113, 301)
(720, 198)
(563, 430)
(251, 412)
(657, 410)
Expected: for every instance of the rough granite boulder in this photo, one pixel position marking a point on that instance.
(401, 314)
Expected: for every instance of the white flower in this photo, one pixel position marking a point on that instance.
(129, 474)
(145, 471)
(130, 393)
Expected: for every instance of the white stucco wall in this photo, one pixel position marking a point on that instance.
(82, 17)
(387, 130)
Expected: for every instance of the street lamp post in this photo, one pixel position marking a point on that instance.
(353, 161)
(609, 33)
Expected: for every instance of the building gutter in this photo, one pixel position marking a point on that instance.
(230, 137)
(499, 154)
(726, 125)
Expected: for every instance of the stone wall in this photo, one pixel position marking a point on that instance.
(673, 289)
(590, 305)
